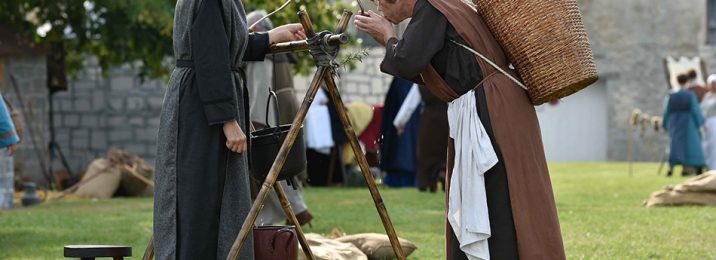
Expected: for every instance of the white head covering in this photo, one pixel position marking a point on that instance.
(711, 79)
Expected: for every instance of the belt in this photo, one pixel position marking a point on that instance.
(190, 64)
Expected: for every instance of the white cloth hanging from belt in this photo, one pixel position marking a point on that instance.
(474, 155)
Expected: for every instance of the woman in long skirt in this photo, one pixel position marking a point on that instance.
(202, 194)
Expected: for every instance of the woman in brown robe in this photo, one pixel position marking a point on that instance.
(522, 213)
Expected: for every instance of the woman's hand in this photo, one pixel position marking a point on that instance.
(235, 137)
(287, 33)
(376, 26)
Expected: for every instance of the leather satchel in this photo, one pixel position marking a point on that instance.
(275, 243)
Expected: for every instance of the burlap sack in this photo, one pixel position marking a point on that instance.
(377, 246)
(675, 198)
(132, 186)
(702, 183)
(329, 249)
(100, 182)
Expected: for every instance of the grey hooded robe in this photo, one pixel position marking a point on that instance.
(202, 195)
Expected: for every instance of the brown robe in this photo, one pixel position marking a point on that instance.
(517, 134)
(431, 152)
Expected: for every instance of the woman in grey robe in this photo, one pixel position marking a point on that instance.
(202, 194)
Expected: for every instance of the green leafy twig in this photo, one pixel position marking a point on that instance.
(351, 59)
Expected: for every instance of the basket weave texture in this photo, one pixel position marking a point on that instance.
(546, 42)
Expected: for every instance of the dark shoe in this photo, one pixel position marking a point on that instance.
(669, 173)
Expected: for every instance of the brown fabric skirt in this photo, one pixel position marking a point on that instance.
(431, 151)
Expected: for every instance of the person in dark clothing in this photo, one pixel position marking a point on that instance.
(683, 118)
(509, 176)
(202, 183)
(398, 148)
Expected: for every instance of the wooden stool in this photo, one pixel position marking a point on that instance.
(89, 252)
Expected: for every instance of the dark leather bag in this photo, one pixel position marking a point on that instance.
(275, 243)
(265, 145)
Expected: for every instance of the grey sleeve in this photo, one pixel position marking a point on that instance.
(210, 52)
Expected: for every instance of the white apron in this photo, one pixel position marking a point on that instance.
(474, 155)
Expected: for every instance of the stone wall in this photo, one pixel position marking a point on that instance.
(630, 40)
(30, 73)
(117, 110)
(99, 113)
(365, 84)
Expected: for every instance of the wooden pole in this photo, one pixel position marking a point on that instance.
(297, 46)
(286, 205)
(322, 74)
(630, 150)
(363, 163)
(306, 23)
(149, 252)
(276, 167)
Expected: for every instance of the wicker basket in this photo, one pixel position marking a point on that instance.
(546, 42)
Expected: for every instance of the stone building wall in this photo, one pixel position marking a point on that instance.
(364, 84)
(630, 40)
(99, 113)
(30, 73)
(119, 111)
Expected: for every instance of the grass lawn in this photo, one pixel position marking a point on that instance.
(599, 207)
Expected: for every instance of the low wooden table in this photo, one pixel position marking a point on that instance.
(88, 252)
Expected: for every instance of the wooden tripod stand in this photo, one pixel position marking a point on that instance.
(323, 74)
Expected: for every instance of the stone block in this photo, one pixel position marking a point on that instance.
(62, 136)
(99, 140)
(120, 135)
(117, 121)
(82, 104)
(135, 103)
(98, 100)
(122, 82)
(153, 121)
(83, 84)
(138, 149)
(80, 138)
(116, 104)
(148, 134)
(71, 120)
(67, 104)
(89, 121)
(136, 121)
(156, 102)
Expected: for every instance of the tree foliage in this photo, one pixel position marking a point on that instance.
(136, 31)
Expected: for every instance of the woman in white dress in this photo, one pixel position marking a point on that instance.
(708, 107)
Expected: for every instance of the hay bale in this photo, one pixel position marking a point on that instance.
(100, 182)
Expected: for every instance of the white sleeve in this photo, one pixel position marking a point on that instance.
(411, 102)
